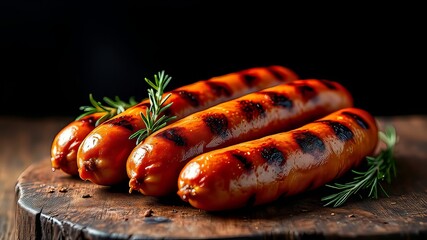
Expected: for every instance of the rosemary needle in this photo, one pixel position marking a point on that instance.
(152, 119)
(379, 169)
(113, 108)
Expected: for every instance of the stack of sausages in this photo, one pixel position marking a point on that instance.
(242, 139)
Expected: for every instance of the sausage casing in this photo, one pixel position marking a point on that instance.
(154, 165)
(67, 142)
(284, 164)
(102, 155)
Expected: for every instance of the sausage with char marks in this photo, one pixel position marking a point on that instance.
(284, 164)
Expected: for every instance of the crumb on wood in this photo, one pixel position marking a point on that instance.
(87, 195)
(351, 215)
(50, 189)
(332, 214)
(63, 189)
(148, 213)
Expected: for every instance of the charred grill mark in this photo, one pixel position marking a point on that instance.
(251, 200)
(168, 112)
(278, 75)
(279, 99)
(359, 120)
(249, 79)
(246, 164)
(272, 155)
(252, 109)
(217, 123)
(328, 84)
(306, 91)
(342, 132)
(124, 121)
(190, 97)
(309, 142)
(173, 134)
(219, 89)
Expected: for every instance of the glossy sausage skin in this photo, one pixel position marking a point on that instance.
(284, 164)
(154, 165)
(67, 142)
(102, 155)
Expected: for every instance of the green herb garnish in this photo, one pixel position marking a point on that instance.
(113, 108)
(380, 168)
(152, 119)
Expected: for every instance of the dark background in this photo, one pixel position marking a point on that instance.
(55, 53)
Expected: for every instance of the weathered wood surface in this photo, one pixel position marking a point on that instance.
(45, 212)
(22, 143)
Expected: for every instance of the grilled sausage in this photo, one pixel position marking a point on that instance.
(65, 145)
(284, 164)
(102, 155)
(67, 141)
(154, 165)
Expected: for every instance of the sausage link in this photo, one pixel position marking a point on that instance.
(67, 141)
(284, 164)
(154, 165)
(102, 155)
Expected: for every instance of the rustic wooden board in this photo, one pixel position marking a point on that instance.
(45, 212)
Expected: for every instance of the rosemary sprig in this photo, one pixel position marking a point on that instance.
(380, 168)
(152, 119)
(112, 108)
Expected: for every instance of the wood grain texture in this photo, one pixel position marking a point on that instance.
(45, 212)
(22, 143)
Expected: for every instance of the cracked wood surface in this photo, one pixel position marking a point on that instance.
(37, 203)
